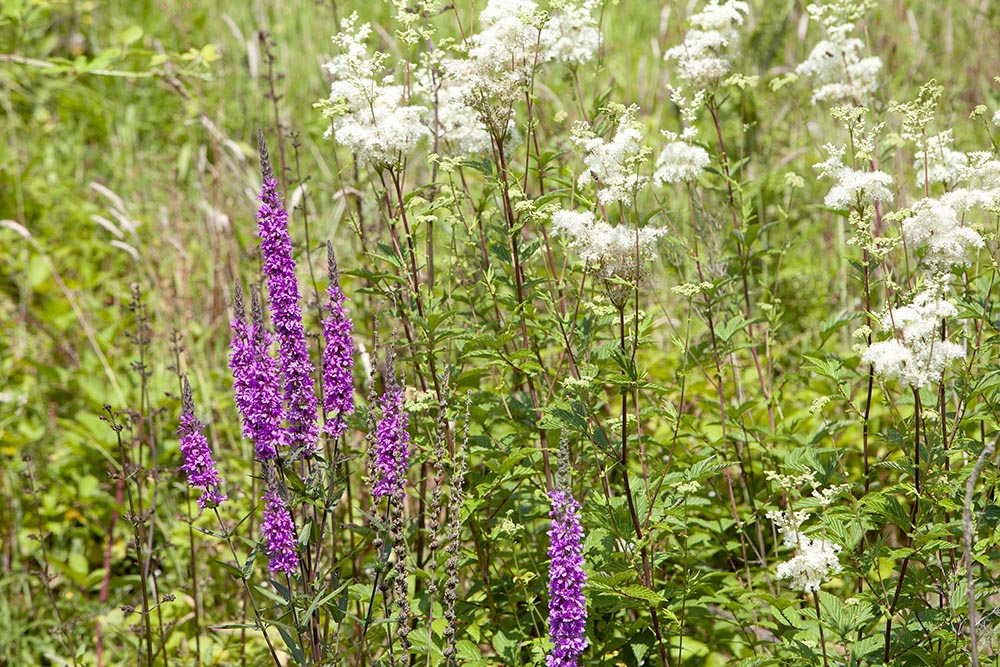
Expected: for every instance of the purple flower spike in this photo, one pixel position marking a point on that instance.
(338, 355)
(286, 313)
(392, 441)
(256, 384)
(567, 605)
(279, 534)
(198, 463)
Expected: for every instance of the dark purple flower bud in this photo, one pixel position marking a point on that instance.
(256, 384)
(392, 440)
(286, 313)
(338, 355)
(198, 463)
(567, 605)
(279, 534)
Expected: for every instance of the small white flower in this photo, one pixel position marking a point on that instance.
(812, 565)
(940, 163)
(853, 187)
(614, 164)
(679, 162)
(937, 227)
(840, 74)
(571, 35)
(704, 58)
(612, 251)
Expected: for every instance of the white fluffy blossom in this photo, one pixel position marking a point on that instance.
(937, 227)
(571, 36)
(853, 187)
(680, 161)
(614, 164)
(458, 126)
(940, 163)
(705, 56)
(915, 355)
(369, 114)
(610, 250)
(814, 560)
(839, 72)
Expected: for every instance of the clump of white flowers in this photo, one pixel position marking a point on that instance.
(457, 125)
(815, 559)
(705, 57)
(915, 354)
(571, 36)
(853, 188)
(612, 251)
(840, 74)
(939, 162)
(679, 162)
(368, 113)
(937, 226)
(614, 164)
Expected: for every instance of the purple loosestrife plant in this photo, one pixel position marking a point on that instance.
(392, 440)
(286, 313)
(198, 463)
(278, 530)
(256, 384)
(338, 355)
(567, 605)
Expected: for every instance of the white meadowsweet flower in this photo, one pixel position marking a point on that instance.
(705, 56)
(838, 71)
(614, 164)
(571, 35)
(940, 163)
(937, 226)
(459, 128)
(680, 161)
(815, 560)
(915, 355)
(853, 187)
(367, 113)
(611, 250)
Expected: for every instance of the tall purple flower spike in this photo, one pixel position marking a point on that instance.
(286, 313)
(567, 605)
(278, 530)
(256, 382)
(198, 464)
(338, 355)
(392, 440)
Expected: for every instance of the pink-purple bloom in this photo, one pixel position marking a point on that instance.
(256, 383)
(567, 605)
(392, 442)
(279, 534)
(286, 313)
(338, 356)
(198, 463)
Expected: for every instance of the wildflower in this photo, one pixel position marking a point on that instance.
(915, 354)
(457, 124)
(703, 59)
(854, 187)
(571, 35)
(392, 440)
(198, 464)
(840, 74)
(278, 531)
(937, 227)
(939, 162)
(286, 313)
(815, 559)
(614, 164)
(567, 604)
(613, 251)
(368, 115)
(338, 355)
(679, 162)
(256, 381)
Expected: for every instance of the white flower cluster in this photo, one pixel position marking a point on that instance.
(571, 35)
(937, 226)
(940, 163)
(814, 560)
(459, 128)
(611, 250)
(853, 188)
(705, 56)
(369, 114)
(915, 354)
(840, 74)
(680, 162)
(614, 164)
